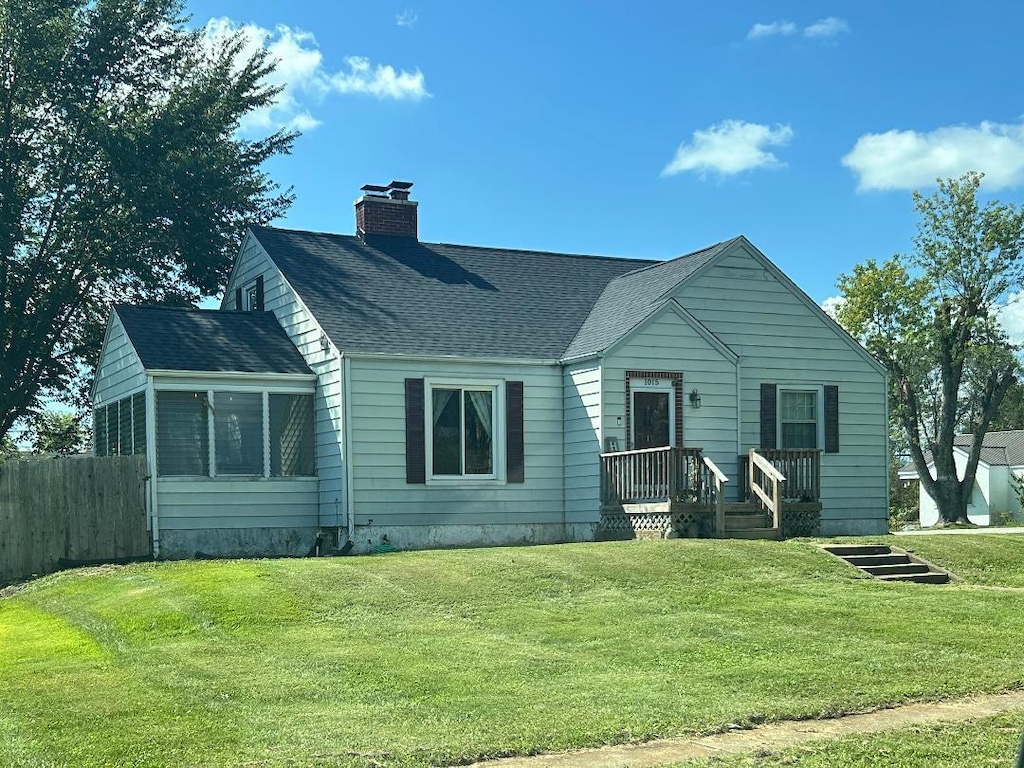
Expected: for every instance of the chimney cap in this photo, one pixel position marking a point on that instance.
(399, 185)
(374, 189)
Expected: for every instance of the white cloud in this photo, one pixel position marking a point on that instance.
(1011, 317)
(303, 78)
(381, 81)
(771, 30)
(910, 159)
(829, 27)
(730, 147)
(832, 305)
(407, 18)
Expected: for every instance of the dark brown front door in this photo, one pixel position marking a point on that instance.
(652, 423)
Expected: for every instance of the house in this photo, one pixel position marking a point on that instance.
(378, 389)
(996, 492)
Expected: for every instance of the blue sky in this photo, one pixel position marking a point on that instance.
(644, 129)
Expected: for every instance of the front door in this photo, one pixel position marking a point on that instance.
(652, 414)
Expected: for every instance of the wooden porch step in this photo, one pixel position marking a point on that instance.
(772, 534)
(740, 507)
(734, 522)
(889, 563)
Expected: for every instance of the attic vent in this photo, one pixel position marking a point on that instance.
(387, 211)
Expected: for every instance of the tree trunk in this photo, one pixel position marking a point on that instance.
(951, 499)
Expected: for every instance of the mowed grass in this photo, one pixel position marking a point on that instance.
(990, 742)
(442, 657)
(991, 559)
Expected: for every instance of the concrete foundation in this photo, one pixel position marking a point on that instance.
(870, 526)
(237, 542)
(454, 536)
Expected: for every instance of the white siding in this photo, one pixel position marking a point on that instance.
(781, 340)
(303, 330)
(382, 496)
(669, 343)
(989, 496)
(188, 505)
(582, 442)
(119, 371)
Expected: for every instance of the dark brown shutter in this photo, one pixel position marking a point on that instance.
(831, 418)
(769, 405)
(238, 298)
(514, 445)
(415, 438)
(259, 293)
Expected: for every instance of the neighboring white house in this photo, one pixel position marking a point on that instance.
(995, 494)
(463, 395)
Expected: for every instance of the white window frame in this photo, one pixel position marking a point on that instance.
(497, 389)
(638, 384)
(818, 391)
(248, 293)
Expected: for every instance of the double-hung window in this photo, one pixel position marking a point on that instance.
(463, 425)
(798, 418)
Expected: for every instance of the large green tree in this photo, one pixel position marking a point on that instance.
(929, 317)
(122, 176)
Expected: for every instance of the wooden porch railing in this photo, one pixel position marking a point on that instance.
(801, 468)
(651, 474)
(765, 483)
(716, 480)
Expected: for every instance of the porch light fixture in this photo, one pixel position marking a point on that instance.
(325, 345)
(695, 398)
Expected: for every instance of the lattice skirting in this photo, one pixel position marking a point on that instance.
(800, 522)
(662, 525)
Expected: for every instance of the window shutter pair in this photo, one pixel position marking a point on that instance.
(416, 437)
(769, 417)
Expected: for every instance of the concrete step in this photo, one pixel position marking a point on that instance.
(895, 570)
(889, 563)
(858, 549)
(754, 533)
(917, 578)
(865, 560)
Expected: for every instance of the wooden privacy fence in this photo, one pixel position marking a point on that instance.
(81, 509)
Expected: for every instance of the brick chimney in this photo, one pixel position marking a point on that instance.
(386, 211)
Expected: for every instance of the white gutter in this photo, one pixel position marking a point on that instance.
(283, 377)
(451, 359)
(346, 451)
(582, 358)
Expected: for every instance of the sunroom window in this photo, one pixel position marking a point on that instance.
(247, 428)
(463, 428)
(238, 425)
(798, 422)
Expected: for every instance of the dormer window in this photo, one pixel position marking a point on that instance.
(251, 297)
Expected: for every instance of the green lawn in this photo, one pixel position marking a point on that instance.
(414, 658)
(990, 742)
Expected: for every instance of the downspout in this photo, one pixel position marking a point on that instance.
(154, 501)
(739, 423)
(885, 395)
(347, 446)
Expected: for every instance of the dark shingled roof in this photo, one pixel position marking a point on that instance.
(178, 339)
(632, 298)
(400, 296)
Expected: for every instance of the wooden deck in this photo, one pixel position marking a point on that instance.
(669, 492)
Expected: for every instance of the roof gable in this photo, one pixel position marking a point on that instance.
(396, 295)
(630, 300)
(179, 339)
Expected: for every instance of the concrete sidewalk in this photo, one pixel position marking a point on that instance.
(955, 531)
(770, 736)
